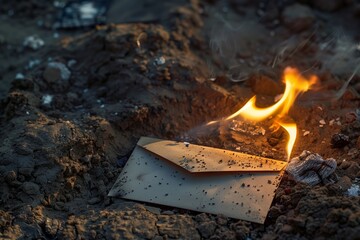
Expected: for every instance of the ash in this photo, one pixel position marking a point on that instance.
(311, 168)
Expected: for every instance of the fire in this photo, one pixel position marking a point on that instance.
(295, 84)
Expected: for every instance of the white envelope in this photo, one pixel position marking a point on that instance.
(200, 178)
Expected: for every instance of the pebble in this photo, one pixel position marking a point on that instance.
(298, 17)
(56, 71)
(339, 140)
(47, 99)
(33, 42)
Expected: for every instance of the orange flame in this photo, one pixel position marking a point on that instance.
(295, 84)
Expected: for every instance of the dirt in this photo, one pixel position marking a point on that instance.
(87, 95)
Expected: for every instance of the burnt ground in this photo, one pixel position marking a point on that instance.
(163, 70)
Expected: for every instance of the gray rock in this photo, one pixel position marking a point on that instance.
(298, 17)
(56, 71)
(207, 229)
(202, 217)
(30, 188)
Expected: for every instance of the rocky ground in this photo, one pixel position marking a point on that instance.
(74, 102)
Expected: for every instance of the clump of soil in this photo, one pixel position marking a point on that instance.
(70, 122)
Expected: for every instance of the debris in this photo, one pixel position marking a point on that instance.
(33, 42)
(322, 122)
(339, 140)
(298, 17)
(56, 71)
(311, 168)
(306, 133)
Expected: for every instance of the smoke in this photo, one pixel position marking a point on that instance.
(340, 54)
(231, 43)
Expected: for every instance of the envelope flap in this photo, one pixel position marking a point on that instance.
(195, 158)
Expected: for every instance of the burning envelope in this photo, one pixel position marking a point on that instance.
(200, 178)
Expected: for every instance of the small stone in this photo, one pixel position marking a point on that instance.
(339, 140)
(306, 133)
(33, 42)
(207, 229)
(345, 164)
(160, 61)
(202, 217)
(30, 188)
(344, 183)
(56, 71)
(221, 220)
(328, 5)
(322, 122)
(47, 99)
(298, 17)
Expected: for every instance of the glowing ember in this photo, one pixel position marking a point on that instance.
(295, 84)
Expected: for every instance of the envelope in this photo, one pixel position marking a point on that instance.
(200, 178)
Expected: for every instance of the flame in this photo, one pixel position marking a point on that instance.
(295, 84)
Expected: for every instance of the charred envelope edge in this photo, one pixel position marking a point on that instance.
(200, 178)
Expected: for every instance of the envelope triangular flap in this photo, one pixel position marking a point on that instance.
(195, 158)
